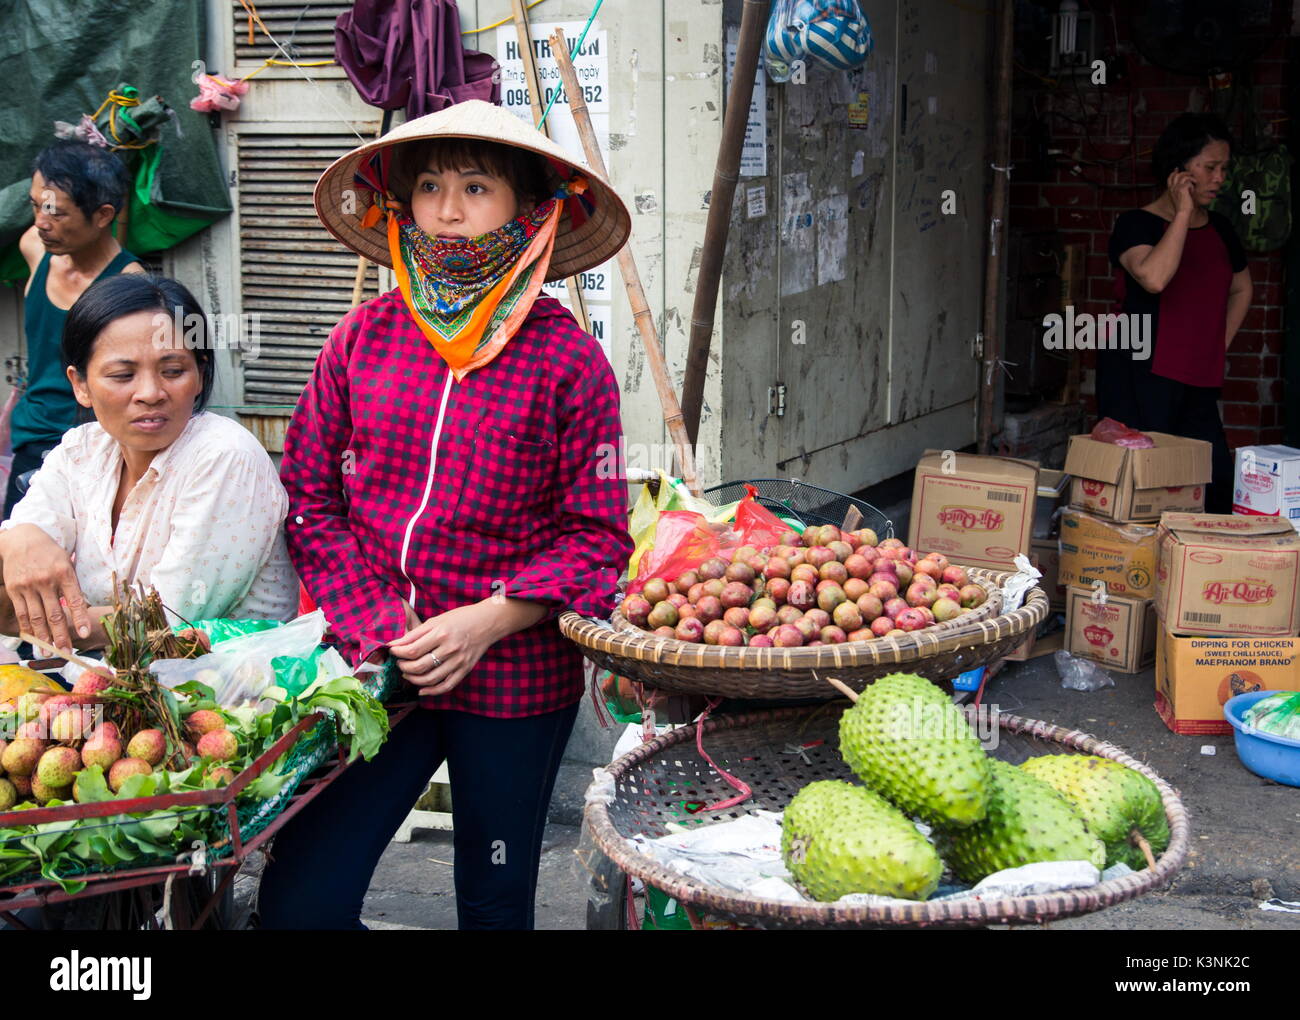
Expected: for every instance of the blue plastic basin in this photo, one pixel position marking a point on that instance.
(1275, 758)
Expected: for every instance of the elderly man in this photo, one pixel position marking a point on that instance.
(77, 191)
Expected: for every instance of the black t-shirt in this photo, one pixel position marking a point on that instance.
(1189, 334)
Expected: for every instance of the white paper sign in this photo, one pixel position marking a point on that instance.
(596, 284)
(753, 156)
(591, 64)
(756, 202)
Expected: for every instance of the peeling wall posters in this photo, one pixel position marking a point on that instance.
(832, 238)
(753, 157)
(798, 235)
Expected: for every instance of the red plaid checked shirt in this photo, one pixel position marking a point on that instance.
(403, 483)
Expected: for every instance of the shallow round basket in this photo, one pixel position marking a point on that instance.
(655, 780)
(938, 653)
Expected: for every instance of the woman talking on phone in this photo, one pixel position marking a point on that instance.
(1182, 265)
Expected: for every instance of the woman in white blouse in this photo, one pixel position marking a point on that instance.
(156, 490)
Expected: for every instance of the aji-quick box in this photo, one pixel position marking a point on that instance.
(1268, 482)
(1228, 574)
(978, 511)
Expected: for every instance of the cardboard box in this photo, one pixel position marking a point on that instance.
(1119, 633)
(1196, 675)
(1052, 489)
(978, 511)
(1122, 556)
(1047, 552)
(1228, 574)
(1138, 485)
(1268, 482)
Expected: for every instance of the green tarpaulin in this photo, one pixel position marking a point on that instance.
(60, 59)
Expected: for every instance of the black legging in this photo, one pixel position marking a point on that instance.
(1128, 392)
(502, 774)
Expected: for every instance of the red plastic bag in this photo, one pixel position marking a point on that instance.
(683, 540)
(756, 524)
(1108, 430)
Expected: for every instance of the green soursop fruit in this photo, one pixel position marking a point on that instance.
(909, 742)
(838, 838)
(1027, 821)
(1113, 800)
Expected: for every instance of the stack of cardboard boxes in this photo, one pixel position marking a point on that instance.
(1108, 541)
(1141, 572)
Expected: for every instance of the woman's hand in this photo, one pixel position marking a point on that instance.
(438, 653)
(37, 573)
(1180, 185)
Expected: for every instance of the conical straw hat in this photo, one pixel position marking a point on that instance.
(599, 237)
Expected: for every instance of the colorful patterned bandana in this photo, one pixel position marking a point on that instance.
(454, 274)
(470, 297)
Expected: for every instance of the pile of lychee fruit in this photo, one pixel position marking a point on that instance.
(60, 734)
(823, 587)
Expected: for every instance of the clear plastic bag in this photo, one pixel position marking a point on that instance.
(240, 669)
(1278, 714)
(1081, 674)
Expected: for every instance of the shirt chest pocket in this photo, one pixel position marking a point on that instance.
(509, 480)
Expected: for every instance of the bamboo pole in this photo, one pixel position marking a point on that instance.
(726, 175)
(631, 277)
(520, 13)
(992, 354)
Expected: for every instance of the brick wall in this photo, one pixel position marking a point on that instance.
(1108, 132)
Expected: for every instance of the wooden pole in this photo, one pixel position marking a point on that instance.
(726, 175)
(992, 355)
(520, 12)
(631, 277)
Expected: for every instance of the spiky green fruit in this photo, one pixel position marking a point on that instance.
(1113, 800)
(907, 741)
(1028, 821)
(838, 838)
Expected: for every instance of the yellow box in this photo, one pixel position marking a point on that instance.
(1196, 675)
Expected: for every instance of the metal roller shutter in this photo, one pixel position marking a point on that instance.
(305, 30)
(292, 274)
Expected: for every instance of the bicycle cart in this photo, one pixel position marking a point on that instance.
(191, 890)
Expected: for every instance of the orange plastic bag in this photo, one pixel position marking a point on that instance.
(756, 524)
(683, 540)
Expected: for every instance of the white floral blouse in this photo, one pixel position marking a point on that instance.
(204, 526)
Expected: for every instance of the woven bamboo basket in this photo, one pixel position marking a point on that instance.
(938, 653)
(655, 780)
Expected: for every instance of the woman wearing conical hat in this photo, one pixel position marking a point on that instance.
(445, 502)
